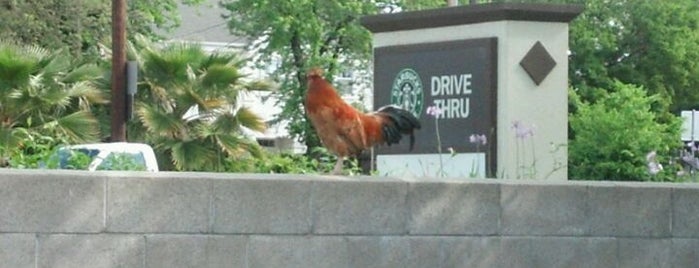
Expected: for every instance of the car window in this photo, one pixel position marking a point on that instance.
(75, 158)
(123, 161)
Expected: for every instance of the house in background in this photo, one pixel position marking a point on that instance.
(204, 25)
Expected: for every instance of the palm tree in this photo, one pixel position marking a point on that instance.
(44, 94)
(188, 105)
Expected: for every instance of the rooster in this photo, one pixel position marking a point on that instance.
(347, 132)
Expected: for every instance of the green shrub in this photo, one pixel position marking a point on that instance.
(289, 164)
(34, 152)
(611, 138)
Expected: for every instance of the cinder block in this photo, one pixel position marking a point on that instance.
(544, 209)
(396, 251)
(378, 251)
(158, 205)
(641, 252)
(95, 251)
(227, 251)
(262, 206)
(425, 251)
(532, 251)
(359, 207)
(298, 251)
(17, 250)
(685, 214)
(685, 252)
(453, 208)
(173, 251)
(473, 251)
(62, 202)
(629, 211)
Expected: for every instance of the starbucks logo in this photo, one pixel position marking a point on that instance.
(407, 91)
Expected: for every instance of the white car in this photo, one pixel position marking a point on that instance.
(111, 156)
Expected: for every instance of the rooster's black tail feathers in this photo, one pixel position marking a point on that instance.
(401, 122)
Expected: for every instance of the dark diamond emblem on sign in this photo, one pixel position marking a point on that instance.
(538, 63)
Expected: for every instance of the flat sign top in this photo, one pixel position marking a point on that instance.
(469, 14)
(458, 77)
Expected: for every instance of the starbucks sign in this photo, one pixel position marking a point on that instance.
(406, 91)
(458, 77)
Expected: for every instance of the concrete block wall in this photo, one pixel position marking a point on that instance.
(121, 219)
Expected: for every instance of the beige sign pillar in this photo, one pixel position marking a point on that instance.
(529, 134)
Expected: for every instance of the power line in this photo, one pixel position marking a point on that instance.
(205, 29)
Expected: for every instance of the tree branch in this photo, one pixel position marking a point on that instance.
(333, 35)
(297, 53)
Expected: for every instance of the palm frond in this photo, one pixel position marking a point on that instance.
(78, 127)
(259, 85)
(17, 63)
(187, 97)
(192, 155)
(56, 64)
(247, 118)
(157, 94)
(226, 123)
(87, 94)
(37, 98)
(236, 145)
(215, 104)
(83, 73)
(170, 65)
(220, 77)
(205, 130)
(160, 122)
(222, 58)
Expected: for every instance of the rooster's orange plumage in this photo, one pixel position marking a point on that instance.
(347, 132)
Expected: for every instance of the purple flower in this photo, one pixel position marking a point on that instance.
(478, 139)
(434, 111)
(522, 131)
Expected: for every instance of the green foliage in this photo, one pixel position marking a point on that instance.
(187, 106)
(45, 94)
(643, 42)
(36, 150)
(614, 135)
(293, 35)
(288, 164)
(80, 25)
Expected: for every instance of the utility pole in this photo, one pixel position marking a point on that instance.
(118, 109)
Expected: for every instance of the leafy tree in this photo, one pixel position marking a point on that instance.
(293, 35)
(614, 135)
(45, 94)
(81, 25)
(649, 43)
(643, 42)
(188, 105)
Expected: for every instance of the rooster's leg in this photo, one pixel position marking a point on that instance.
(338, 166)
